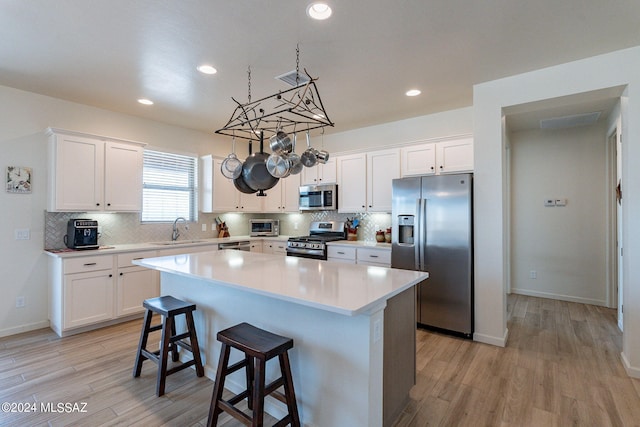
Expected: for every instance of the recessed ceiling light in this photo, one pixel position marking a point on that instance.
(413, 92)
(319, 10)
(207, 69)
(145, 101)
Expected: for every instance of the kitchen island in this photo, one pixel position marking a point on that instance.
(353, 326)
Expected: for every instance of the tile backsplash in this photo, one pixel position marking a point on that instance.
(122, 228)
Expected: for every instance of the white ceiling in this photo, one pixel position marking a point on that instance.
(109, 53)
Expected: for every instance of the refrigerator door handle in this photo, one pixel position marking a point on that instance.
(417, 250)
(422, 212)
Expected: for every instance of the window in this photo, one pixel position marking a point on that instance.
(170, 187)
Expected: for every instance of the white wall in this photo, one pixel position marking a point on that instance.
(23, 118)
(618, 68)
(565, 246)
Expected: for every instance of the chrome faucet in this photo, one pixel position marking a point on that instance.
(176, 233)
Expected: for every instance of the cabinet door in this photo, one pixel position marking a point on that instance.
(123, 177)
(135, 284)
(327, 173)
(291, 194)
(253, 202)
(309, 176)
(256, 246)
(382, 167)
(77, 174)
(455, 156)
(226, 198)
(352, 183)
(273, 201)
(418, 160)
(88, 298)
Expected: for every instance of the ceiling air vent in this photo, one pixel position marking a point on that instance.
(290, 78)
(570, 121)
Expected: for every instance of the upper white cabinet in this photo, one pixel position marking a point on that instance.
(438, 158)
(284, 197)
(364, 180)
(352, 183)
(320, 174)
(91, 173)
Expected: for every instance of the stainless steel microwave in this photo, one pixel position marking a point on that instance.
(264, 227)
(319, 197)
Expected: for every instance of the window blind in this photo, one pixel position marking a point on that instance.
(169, 187)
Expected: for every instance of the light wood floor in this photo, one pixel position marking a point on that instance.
(561, 367)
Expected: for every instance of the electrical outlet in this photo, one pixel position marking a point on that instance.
(204, 227)
(22, 234)
(533, 274)
(20, 302)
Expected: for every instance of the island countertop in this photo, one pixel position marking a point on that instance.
(347, 289)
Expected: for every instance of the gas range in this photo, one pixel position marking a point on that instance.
(315, 244)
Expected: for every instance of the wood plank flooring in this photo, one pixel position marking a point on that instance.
(561, 367)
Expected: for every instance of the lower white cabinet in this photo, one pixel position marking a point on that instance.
(353, 254)
(274, 247)
(91, 291)
(134, 283)
(256, 246)
(343, 254)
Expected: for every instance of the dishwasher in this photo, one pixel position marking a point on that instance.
(242, 245)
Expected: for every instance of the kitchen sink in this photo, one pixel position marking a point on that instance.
(176, 242)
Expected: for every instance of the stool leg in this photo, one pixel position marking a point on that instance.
(289, 393)
(167, 327)
(144, 335)
(250, 378)
(218, 388)
(193, 340)
(175, 355)
(258, 393)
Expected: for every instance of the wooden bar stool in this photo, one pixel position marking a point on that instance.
(168, 307)
(258, 346)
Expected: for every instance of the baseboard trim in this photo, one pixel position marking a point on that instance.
(488, 339)
(560, 297)
(24, 328)
(631, 371)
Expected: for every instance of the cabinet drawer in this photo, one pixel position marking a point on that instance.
(91, 263)
(124, 260)
(341, 252)
(379, 256)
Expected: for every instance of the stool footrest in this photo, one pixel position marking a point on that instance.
(235, 413)
(179, 337)
(155, 328)
(180, 367)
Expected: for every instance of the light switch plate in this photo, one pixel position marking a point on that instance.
(561, 202)
(549, 202)
(22, 234)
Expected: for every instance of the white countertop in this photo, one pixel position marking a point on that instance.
(150, 246)
(341, 288)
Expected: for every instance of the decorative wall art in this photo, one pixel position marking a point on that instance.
(19, 179)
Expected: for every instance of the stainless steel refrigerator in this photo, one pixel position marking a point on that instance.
(432, 231)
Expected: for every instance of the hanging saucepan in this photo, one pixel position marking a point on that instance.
(280, 143)
(308, 158)
(231, 167)
(322, 156)
(254, 170)
(294, 160)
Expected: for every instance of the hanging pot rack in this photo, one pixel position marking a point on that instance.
(299, 107)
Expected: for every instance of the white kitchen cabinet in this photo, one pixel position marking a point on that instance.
(352, 183)
(320, 174)
(274, 247)
(284, 197)
(91, 173)
(455, 156)
(382, 167)
(374, 256)
(219, 194)
(342, 254)
(364, 181)
(134, 284)
(256, 246)
(438, 158)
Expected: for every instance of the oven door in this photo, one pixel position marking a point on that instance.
(307, 253)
